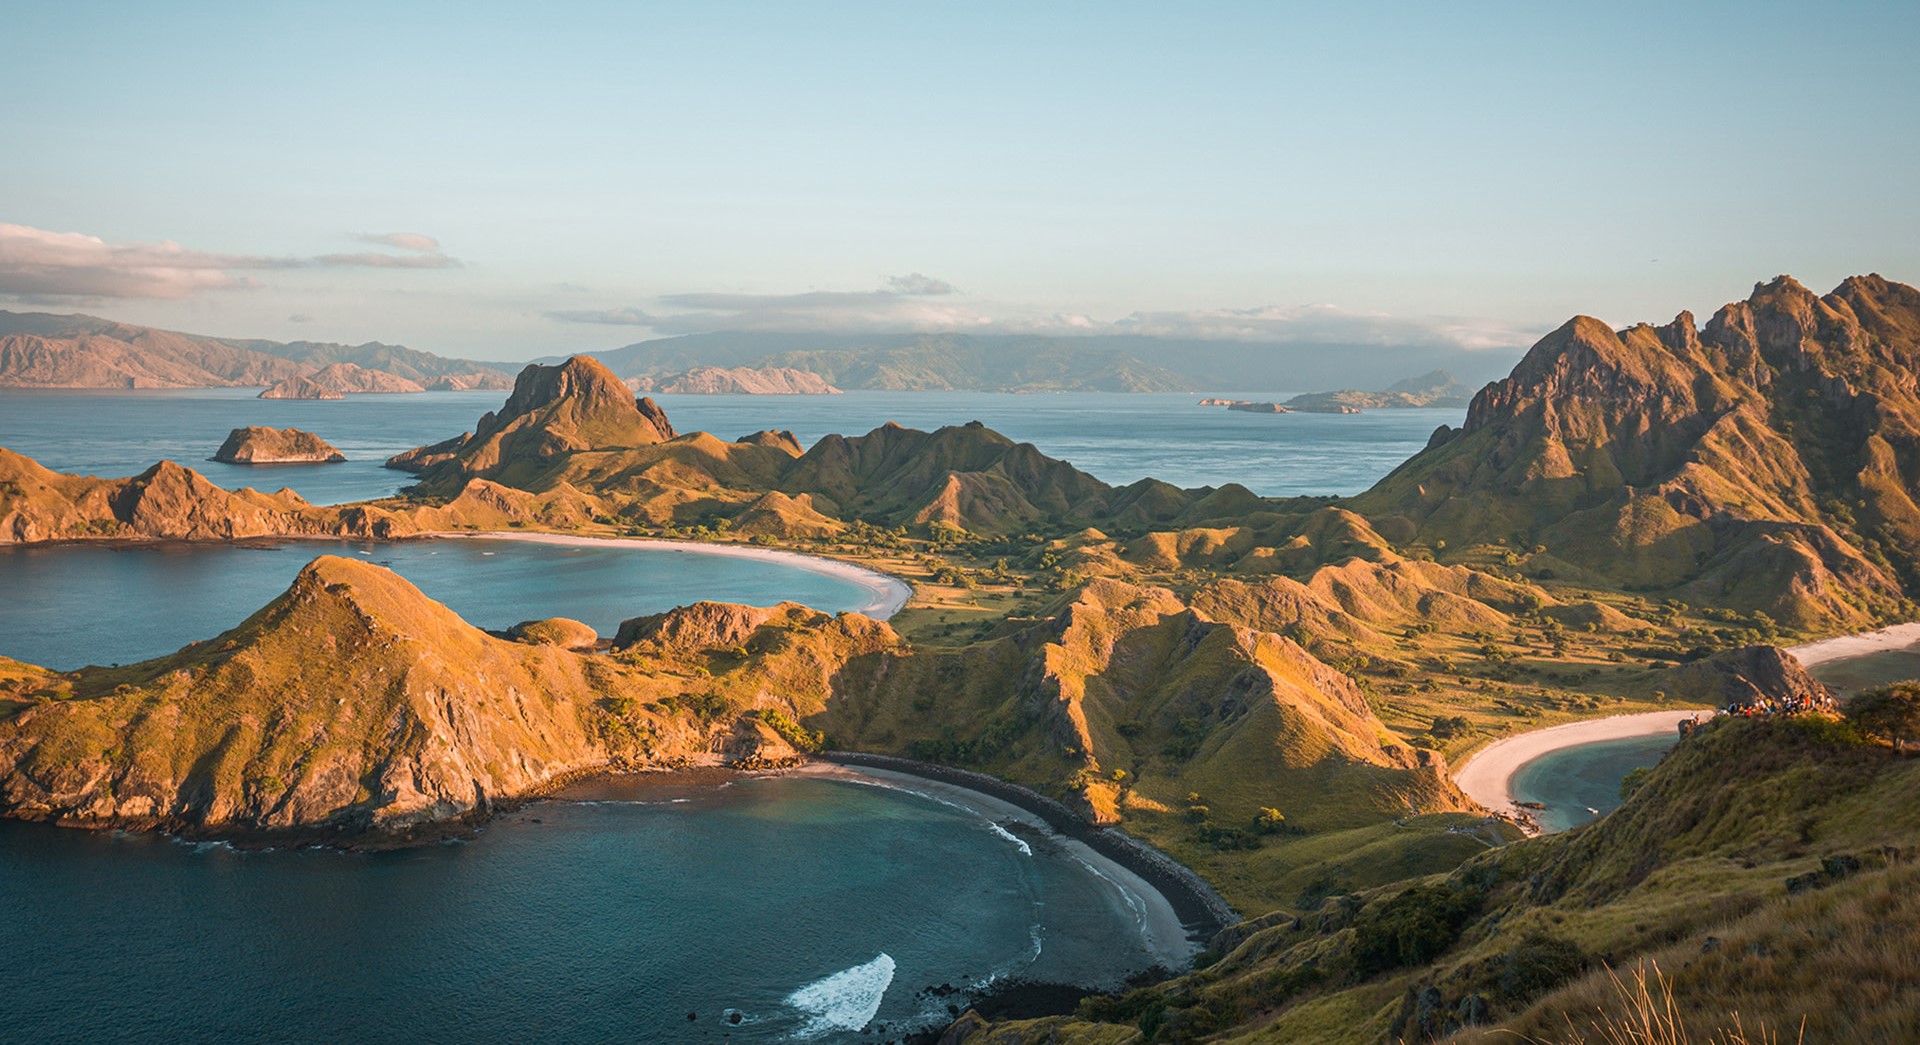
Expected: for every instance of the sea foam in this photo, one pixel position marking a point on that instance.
(1009, 836)
(846, 1001)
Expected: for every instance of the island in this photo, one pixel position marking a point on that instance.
(1271, 693)
(259, 445)
(338, 380)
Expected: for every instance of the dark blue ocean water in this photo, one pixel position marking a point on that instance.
(808, 907)
(1119, 438)
(1580, 784)
(66, 606)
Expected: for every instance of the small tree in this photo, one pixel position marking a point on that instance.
(1890, 712)
(1269, 820)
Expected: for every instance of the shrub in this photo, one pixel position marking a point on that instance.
(1411, 928)
(1537, 965)
(1891, 713)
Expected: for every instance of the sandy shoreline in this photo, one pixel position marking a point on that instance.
(889, 594)
(1487, 777)
(1898, 637)
(1159, 924)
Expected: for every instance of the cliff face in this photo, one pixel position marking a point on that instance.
(258, 445)
(1765, 460)
(742, 380)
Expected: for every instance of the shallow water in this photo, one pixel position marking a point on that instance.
(71, 605)
(1580, 784)
(809, 907)
(1119, 438)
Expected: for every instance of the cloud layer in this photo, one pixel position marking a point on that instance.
(922, 304)
(38, 263)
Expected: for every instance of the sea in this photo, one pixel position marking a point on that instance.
(1118, 438)
(1579, 785)
(769, 909)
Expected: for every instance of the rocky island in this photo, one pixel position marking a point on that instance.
(259, 445)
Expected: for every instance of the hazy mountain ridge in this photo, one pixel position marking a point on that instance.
(44, 350)
(1011, 362)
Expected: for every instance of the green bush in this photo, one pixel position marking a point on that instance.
(1411, 928)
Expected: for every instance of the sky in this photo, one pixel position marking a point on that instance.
(507, 181)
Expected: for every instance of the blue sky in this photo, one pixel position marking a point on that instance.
(581, 176)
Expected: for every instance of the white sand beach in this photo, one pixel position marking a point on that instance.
(1487, 777)
(889, 593)
(1896, 638)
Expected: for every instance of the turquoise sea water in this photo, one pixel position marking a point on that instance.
(1580, 784)
(71, 605)
(810, 908)
(1119, 438)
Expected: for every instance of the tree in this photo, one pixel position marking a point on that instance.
(1891, 713)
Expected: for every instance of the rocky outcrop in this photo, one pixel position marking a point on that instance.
(742, 380)
(563, 632)
(554, 411)
(258, 445)
(1765, 461)
(1752, 676)
(337, 380)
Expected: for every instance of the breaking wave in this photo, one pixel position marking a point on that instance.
(1009, 836)
(846, 1001)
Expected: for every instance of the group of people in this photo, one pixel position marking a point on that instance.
(1794, 704)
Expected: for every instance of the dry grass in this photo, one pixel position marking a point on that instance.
(1649, 1014)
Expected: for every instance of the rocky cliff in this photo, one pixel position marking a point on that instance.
(258, 445)
(1765, 460)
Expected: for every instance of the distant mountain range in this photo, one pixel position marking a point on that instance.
(43, 350)
(1005, 362)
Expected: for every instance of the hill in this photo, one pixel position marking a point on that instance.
(44, 350)
(1438, 388)
(740, 380)
(1765, 461)
(353, 708)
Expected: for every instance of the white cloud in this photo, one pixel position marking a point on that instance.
(37, 263)
(400, 240)
(619, 317)
(435, 260)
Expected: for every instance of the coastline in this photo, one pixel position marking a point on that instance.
(1200, 910)
(888, 594)
(1487, 776)
(1892, 639)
